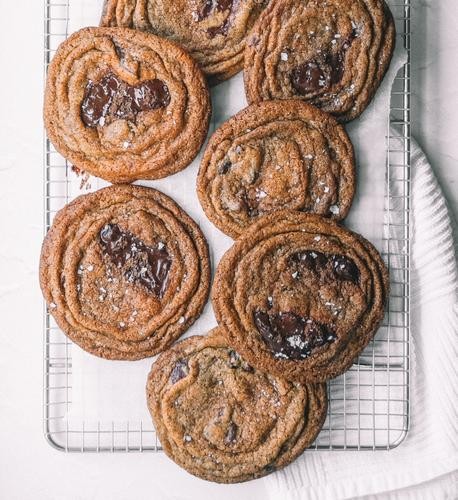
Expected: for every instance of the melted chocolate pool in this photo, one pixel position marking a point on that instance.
(113, 99)
(142, 264)
(291, 336)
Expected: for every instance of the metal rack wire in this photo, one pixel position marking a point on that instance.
(368, 405)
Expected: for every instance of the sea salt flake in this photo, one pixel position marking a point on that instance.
(187, 438)
(284, 56)
(90, 267)
(126, 144)
(181, 320)
(122, 324)
(296, 341)
(326, 189)
(295, 274)
(52, 305)
(334, 209)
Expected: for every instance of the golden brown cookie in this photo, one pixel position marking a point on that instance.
(224, 421)
(124, 271)
(331, 54)
(276, 155)
(300, 296)
(125, 105)
(213, 31)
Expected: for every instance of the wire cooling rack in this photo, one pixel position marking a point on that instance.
(368, 405)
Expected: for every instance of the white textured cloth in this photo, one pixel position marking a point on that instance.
(431, 447)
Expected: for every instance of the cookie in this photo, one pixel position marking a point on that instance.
(276, 155)
(124, 271)
(224, 421)
(213, 31)
(299, 296)
(332, 54)
(125, 105)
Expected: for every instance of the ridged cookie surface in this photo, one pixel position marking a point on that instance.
(300, 296)
(276, 155)
(224, 421)
(212, 31)
(124, 271)
(125, 105)
(332, 54)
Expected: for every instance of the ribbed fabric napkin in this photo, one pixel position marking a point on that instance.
(431, 447)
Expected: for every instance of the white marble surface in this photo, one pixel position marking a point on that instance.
(29, 468)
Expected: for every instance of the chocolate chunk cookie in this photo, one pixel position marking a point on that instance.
(274, 155)
(125, 105)
(299, 296)
(331, 54)
(224, 421)
(213, 31)
(124, 271)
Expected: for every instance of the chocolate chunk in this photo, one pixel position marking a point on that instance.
(231, 434)
(225, 167)
(147, 266)
(210, 6)
(234, 359)
(335, 63)
(111, 99)
(270, 468)
(180, 370)
(308, 77)
(291, 336)
(246, 367)
(344, 268)
(219, 30)
(322, 72)
(310, 259)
